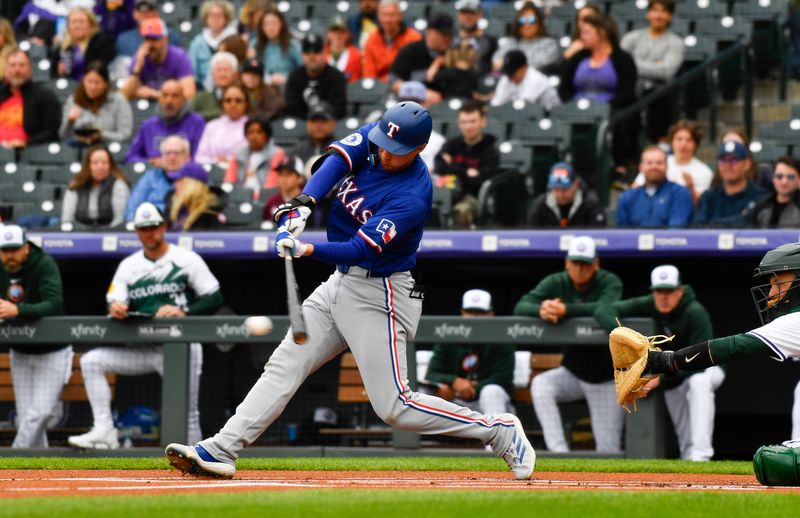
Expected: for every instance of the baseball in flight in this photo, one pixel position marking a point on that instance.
(258, 326)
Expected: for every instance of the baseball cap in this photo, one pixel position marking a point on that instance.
(12, 236)
(147, 215)
(582, 249)
(321, 111)
(146, 5)
(312, 43)
(469, 5)
(412, 91)
(441, 22)
(665, 277)
(253, 66)
(512, 62)
(153, 29)
(337, 23)
(190, 170)
(733, 149)
(291, 163)
(479, 301)
(561, 175)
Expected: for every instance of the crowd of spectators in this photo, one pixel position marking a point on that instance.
(242, 71)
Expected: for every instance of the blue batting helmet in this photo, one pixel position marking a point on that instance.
(403, 128)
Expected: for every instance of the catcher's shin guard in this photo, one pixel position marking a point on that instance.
(777, 465)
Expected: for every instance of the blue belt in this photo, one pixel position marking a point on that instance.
(361, 272)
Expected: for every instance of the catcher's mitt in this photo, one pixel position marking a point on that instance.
(629, 354)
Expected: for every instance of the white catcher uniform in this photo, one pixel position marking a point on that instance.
(177, 278)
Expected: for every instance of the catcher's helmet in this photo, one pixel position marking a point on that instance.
(785, 258)
(403, 128)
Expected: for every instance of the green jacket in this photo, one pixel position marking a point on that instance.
(206, 104)
(36, 290)
(690, 323)
(591, 364)
(495, 365)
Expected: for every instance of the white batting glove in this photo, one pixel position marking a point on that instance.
(289, 246)
(294, 220)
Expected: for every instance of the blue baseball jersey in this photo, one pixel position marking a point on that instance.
(388, 210)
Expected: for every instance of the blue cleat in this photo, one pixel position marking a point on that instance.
(197, 461)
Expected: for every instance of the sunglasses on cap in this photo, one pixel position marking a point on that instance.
(527, 20)
(785, 176)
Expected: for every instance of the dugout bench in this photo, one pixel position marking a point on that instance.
(644, 430)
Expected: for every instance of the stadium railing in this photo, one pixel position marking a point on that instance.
(644, 432)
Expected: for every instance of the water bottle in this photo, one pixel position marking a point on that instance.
(66, 59)
(291, 433)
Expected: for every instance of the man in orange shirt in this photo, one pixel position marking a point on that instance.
(29, 113)
(383, 44)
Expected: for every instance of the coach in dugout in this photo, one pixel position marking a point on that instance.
(689, 395)
(585, 372)
(30, 287)
(160, 280)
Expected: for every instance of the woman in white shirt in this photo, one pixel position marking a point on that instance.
(683, 167)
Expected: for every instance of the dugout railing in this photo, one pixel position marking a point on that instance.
(644, 429)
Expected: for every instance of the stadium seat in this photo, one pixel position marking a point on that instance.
(768, 43)
(216, 174)
(243, 213)
(174, 12)
(7, 155)
(502, 200)
(441, 209)
(445, 116)
(327, 10)
(64, 88)
(515, 156)
(41, 70)
(57, 175)
(767, 151)
(783, 133)
(517, 113)
(364, 95)
(287, 130)
(143, 109)
(547, 140)
(118, 150)
(584, 119)
(416, 10)
(53, 153)
(294, 11)
(701, 10)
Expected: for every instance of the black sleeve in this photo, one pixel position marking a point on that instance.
(626, 79)
(566, 87)
(101, 48)
(48, 116)
(295, 104)
(403, 63)
(338, 94)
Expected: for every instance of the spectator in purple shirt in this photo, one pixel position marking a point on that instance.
(174, 118)
(157, 61)
(116, 16)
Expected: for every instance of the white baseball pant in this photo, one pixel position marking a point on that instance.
(38, 381)
(796, 413)
(131, 361)
(559, 385)
(692, 407)
(374, 317)
(492, 400)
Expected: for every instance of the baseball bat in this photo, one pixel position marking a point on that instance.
(296, 319)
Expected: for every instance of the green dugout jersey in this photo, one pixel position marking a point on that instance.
(178, 278)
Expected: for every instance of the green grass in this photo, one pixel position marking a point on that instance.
(398, 464)
(419, 504)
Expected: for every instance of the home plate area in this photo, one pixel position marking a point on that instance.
(26, 483)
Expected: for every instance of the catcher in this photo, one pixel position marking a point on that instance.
(689, 396)
(777, 298)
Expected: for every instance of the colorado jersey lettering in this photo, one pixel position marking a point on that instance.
(387, 210)
(177, 278)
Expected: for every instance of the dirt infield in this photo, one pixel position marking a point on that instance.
(27, 483)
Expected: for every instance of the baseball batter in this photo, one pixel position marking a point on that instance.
(369, 304)
(161, 280)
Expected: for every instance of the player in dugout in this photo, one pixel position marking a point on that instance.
(689, 396)
(370, 303)
(30, 287)
(576, 291)
(160, 280)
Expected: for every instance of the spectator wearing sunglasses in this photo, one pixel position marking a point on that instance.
(529, 35)
(782, 208)
(225, 135)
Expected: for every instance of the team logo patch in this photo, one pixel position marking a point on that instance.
(353, 139)
(7, 236)
(387, 230)
(663, 276)
(393, 128)
(470, 363)
(16, 293)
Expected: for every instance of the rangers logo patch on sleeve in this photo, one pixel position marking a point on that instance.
(353, 139)
(387, 230)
